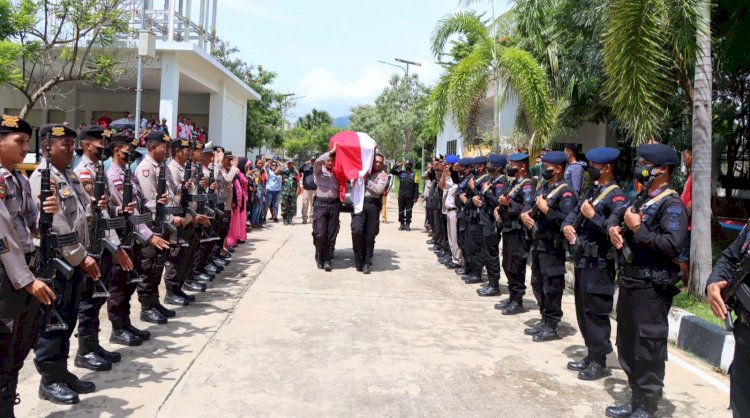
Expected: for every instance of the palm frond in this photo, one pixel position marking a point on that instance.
(686, 20)
(636, 64)
(468, 79)
(466, 23)
(437, 104)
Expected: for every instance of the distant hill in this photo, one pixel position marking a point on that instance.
(341, 122)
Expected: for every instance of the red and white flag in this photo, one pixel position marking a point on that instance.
(355, 152)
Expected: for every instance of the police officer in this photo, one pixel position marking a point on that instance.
(207, 259)
(326, 209)
(474, 200)
(554, 200)
(462, 217)
(20, 290)
(653, 238)
(449, 184)
(735, 255)
(203, 269)
(146, 176)
(90, 354)
(408, 191)
(366, 223)
(490, 241)
(586, 236)
(51, 352)
(119, 283)
(518, 198)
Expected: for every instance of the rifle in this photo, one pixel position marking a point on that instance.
(130, 234)
(572, 249)
(737, 291)
(534, 213)
(161, 226)
(99, 227)
(212, 196)
(48, 260)
(638, 202)
(201, 199)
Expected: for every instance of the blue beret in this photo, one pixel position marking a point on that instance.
(519, 156)
(659, 154)
(555, 157)
(498, 160)
(451, 159)
(602, 155)
(464, 162)
(479, 160)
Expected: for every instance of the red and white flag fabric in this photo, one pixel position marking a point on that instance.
(355, 152)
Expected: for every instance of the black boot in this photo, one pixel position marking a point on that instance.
(8, 398)
(57, 392)
(124, 337)
(408, 226)
(143, 334)
(402, 227)
(595, 371)
(514, 308)
(172, 298)
(503, 304)
(492, 288)
(179, 291)
(163, 309)
(109, 355)
(579, 365)
(77, 385)
(547, 333)
(625, 410)
(472, 279)
(327, 266)
(646, 409)
(153, 316)
(87, 358)
(534, 328)
(366, 268)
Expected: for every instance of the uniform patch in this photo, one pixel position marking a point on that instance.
(3, 190)
(66, 192)
(674, 210)
(4, 246)
(85, 175)
(88, 186)
(73, 176)
(145, 172)
(673, 224)
(567, 194)
(620, 198)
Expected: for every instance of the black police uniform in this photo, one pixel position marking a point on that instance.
(739, 385)
(462, 217)
(408, 190)
(548, 259)
(490, 238)
(646, 285)
(475, 230)
(515, 243)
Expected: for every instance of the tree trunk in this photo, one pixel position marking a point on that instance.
(700, 245)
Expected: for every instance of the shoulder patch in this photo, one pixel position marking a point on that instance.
(3, 190)
(88, 186)
(620, 198)
(74, 177)
(145, 172)
(673, 225)
(567, 194)
(85, 175)
(674, 210)
(4, 246)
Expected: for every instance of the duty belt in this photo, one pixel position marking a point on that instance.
(326, 199)
(452, 209)
(649, 275)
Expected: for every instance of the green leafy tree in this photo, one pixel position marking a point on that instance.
(48, 43)
(401, 111)
(310, 136)
(314, 119)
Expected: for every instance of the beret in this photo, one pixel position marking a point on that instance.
(10, 124)
(94, 132)
(498, 160)
(519, 156)
(56, 130)
(158, 137)
(122, 138)
(452, 159)
(479, 160)
(555, 157)
(603, 155)
(179, 143)
(659, 154)
(464, 162)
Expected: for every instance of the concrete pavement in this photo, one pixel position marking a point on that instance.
(277, 337)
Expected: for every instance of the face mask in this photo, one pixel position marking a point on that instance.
(644, 173)
(547, 174)
(594, 173)
(511, 171)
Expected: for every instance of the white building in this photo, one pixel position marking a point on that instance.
(450, 141)
(183, 78)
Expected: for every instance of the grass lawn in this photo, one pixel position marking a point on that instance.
(696, 307)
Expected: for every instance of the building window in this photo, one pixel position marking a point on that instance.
(450, 147)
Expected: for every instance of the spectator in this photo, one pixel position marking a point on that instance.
(574, 170)
(104, 120)
(683, 259)
(309, 189)
(273, 188)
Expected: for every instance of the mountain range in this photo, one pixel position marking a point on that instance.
(341, 122)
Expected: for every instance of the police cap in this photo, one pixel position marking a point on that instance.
(555, 157)
(157, 137)
(11, 124)
(465, 162)
(498, 160)
(659, 154)
(123, 138)
(452, 159)
(94, 132)
(518, 157)
(603, 155)
(56, 130)
(479, 160)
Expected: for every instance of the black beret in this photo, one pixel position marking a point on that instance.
(555, 157)
(94, 132)
(179, 143)
(157, 137)
(56, 130)
(10, 124)
(122, 138)
(603, 155)
(659, 154)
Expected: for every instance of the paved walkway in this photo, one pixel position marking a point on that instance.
(277, 337)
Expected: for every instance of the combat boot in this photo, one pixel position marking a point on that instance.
(472, 279)
(548, 332)
(408, 227)
(109, 355)
(163, 309)
(8, 400)
(594, 371)
(490, 290)
(212, 269)
(143, 334)
(462, 271)
(503, 304)
(124, 337)
(57, 392)
(534, 329)
(513, 308)
(219, 262)
(625, 410)
(172, 298)
(646, 409)
(79, 386)
(366, 268)
(327, 266)
(87, 358)
(402, 226)
(153, 316)
(579, 365)
(194, 286)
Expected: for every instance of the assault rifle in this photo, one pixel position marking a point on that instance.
(130, 234)
(534, 214)
(572, 249)
(99, 227)
(737, 291)
(202, 199)
(638, 202)
(162, 226)
(48, 259)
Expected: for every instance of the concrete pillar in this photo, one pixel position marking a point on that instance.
(215, 114)
(170, 90)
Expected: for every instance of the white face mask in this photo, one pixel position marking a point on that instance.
(684, 169)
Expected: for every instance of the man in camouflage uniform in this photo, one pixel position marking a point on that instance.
(289, 192)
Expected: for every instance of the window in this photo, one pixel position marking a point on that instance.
(450, 147)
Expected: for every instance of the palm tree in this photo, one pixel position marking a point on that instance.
(649, 45)
(490, 61)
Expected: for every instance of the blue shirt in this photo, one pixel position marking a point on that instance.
(274, 181)
(574, 176)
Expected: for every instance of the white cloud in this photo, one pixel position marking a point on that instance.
(260, 10)
(321, 84)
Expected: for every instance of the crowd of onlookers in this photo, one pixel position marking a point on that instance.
(186, 127)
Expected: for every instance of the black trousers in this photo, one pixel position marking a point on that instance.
(88, 313)
(203, 252)
(515, 255)
(148, 291)
(405, 206)
(326, 226)
(53, 347)
(548, 283)
(120, 291)
(594, 290)
(439, 228)
(180, 266)
(485, 240)
(739, 385)
(472, 250)
(365, 227)
(642, 330)
(18, 334)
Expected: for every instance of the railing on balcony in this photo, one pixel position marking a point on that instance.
(175, 21)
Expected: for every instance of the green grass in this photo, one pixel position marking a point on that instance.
(696, 307)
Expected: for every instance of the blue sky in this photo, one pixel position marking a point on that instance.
(328, 50)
